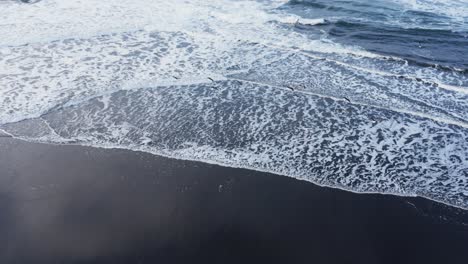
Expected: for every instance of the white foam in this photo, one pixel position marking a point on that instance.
(303, 21)
(249, 125)
(218, 81)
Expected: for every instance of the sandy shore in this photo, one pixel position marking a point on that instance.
(74, 204)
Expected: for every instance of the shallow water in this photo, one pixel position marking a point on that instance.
(367, 96)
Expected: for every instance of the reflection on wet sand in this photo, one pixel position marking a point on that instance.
(72, 204)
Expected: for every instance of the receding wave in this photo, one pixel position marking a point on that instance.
(239, 83)
(235, 123)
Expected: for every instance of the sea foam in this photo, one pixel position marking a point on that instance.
(232, 83)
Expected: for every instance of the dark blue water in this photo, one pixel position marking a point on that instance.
(429, 33)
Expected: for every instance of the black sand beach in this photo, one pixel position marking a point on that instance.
(74, 204)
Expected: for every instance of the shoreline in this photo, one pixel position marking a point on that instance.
(79, 204)
(221, 164)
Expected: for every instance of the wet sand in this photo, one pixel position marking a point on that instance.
(75, 204)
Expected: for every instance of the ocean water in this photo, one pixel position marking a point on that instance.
(366, 96)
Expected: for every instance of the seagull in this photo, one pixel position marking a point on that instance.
(297, 22)
(212, 86)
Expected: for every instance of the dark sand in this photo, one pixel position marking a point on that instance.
(74, 204)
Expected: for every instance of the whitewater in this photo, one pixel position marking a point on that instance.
(288, 87)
